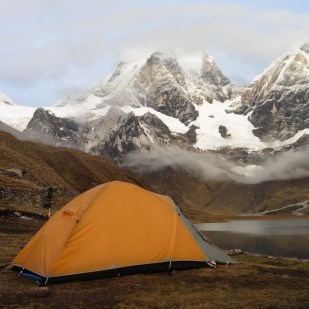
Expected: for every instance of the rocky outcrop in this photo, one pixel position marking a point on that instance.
(212, 75)
(118, 133)
(190, 136)
(279, 98)
(210, 72)
(46, 127)
(162, 80)
(223, 131)
(127, 137)
(172, 102)
(209, 83)
(157, 128)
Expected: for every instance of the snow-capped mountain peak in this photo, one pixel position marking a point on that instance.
(126, 71)
(294, 63)
(211, 73)
(147, 81)
(278, 98)
(165, 99)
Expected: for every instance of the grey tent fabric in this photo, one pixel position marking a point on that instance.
(211, 251)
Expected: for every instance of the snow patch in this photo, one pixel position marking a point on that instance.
(174, 124)
(130, 69)
(16, 116)
(211, 116)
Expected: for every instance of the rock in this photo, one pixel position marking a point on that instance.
(210, 72)
(190, 136)
(16, 172)
(17, 214)
(165, 81)
(235, 252)
(26, 218)
(223, 131)
(272, 257)
(39, 291)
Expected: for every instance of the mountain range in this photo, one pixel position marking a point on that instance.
(161, 102)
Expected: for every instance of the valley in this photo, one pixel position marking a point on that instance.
(188, 132)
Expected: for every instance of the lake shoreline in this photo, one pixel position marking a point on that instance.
(255, 281)
(244, 217)
(281, 237)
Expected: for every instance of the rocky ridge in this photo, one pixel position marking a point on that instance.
(46, 127)
(158, 102)
(278, 99)
(159, 83)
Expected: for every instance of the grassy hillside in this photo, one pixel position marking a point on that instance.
(73, 171)
(197, 196)
(42, 166)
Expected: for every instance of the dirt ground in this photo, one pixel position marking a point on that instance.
(255, 282)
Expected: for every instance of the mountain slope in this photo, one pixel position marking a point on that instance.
(198, 197)
(14, 115)
(161, 83)
(46, 127)
(279, 98)
(118, 134)
(159, 102)
(6, 128)
(28, 168)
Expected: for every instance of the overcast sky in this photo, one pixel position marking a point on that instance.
(50, 48)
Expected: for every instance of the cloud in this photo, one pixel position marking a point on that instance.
(208, 166)
(287, 165)
(44, 41)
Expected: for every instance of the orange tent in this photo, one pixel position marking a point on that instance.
(115, 229)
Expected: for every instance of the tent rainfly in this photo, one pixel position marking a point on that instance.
(115, 229)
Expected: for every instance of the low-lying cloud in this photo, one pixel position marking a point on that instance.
(214, 167)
